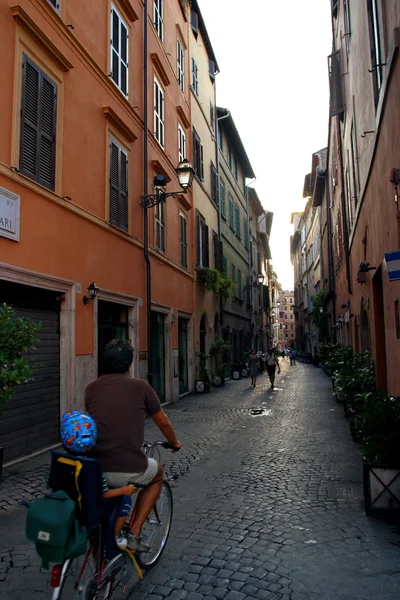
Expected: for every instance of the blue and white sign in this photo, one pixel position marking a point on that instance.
(393, 264)
(9, 214)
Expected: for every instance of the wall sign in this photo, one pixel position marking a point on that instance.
(9, 214)
(393, 264)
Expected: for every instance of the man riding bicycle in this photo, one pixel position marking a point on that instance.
(119, 405)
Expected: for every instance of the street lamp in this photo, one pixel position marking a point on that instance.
(185, 172)
(260, 279)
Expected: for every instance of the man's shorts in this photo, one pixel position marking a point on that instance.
(117, 480)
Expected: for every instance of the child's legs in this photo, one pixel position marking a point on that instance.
(123, 511)
(119, 523)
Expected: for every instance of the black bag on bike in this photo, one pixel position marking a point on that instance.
(52, 525)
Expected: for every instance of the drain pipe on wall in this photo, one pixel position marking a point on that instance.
(250, 283)
(228, 113)
(146, 189)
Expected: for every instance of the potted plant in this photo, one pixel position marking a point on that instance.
(217, 349)
(203, 379)
(379, 432)
(17, 336)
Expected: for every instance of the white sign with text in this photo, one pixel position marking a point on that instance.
(9, 214)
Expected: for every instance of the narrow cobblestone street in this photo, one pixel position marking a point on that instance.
(267, 507)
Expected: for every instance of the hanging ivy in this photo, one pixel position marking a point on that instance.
(214, 281)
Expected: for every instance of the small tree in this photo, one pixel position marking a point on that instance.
(17, 336)
(318, 316)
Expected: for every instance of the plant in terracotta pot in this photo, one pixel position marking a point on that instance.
(216, 352)
(203, 379)
(17, 336)
(378, 426)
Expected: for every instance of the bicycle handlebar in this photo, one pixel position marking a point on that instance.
(165, 445)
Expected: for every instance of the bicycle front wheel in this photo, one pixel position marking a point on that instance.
(156, 528)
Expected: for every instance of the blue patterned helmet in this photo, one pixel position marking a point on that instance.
(78, 432)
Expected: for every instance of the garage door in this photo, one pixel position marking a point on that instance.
(31, 419)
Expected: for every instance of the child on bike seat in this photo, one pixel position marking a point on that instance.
(78, 437)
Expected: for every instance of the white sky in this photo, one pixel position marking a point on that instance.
(272, 56)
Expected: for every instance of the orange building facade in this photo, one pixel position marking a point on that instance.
(75, 153)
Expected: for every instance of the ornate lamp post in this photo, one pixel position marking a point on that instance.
(185, 173)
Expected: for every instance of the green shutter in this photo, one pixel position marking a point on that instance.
(222, 196)
(237, 219)
(239, 284)
(234, 274)
(231, 214)
(225, 266)
(266, 297)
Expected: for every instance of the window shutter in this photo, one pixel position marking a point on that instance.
(206, 258)
(29, 151)
(211, 69)
(123, 191)
(194, 22)
(335, 84)
(213, 183)
(198, 233)
(124, 58)
(115, 47)
(201, 162)
(47, 149)
(219, 253)
(114, 184)
(237, 218)
(225, 266)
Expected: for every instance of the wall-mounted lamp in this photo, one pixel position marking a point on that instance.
(93, 290)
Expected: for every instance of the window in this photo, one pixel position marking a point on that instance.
(202, 242)
(239, 284)
(354, 164)
(236, 169)
(195, 77)
(230, 156)
(220, 140)
(158, 18)
(38, 125)
(183, 233)
(224, 266)
(118, 201)
(212, 117)
(348, 201)
(246, 234)
(181, 144)
(119, 51)
(233, 275)
(231, 214)
(55, 3)
(376, 47)
(181, 65)
(158, 113)
(198, 156)
(237, 220)
(222, 197)
(160, 226)
(214, 184)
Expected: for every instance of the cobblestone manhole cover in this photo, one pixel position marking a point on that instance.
(258, 412)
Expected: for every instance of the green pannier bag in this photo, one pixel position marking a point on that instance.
(52, 525)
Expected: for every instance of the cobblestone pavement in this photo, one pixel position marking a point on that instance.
(266, 507)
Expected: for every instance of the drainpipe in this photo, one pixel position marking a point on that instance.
(249, 256)
(228, 114)
(146, 190)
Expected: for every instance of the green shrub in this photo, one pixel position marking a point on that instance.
(378, 428)
(17, 336)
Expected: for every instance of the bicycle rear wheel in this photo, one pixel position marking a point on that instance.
(74, 577)
(156, 528)
(116, 574)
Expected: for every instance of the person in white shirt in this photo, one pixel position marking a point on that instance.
(272, 362)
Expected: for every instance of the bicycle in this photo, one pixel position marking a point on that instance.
(105, 567)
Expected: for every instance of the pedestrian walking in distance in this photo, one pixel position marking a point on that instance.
(253, 364)
(292, 357)
(272, 363)
(283, 354)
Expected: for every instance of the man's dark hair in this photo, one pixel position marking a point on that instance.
(117, 357)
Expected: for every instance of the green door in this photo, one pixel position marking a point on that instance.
(183, 355)
(158, 354)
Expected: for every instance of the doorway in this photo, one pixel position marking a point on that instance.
(158, 353)
(183, 354)
(112, 325)
(379, 325)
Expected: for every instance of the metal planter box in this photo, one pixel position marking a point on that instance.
(381, 488)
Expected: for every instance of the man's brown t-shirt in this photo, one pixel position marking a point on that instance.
(119, 405)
